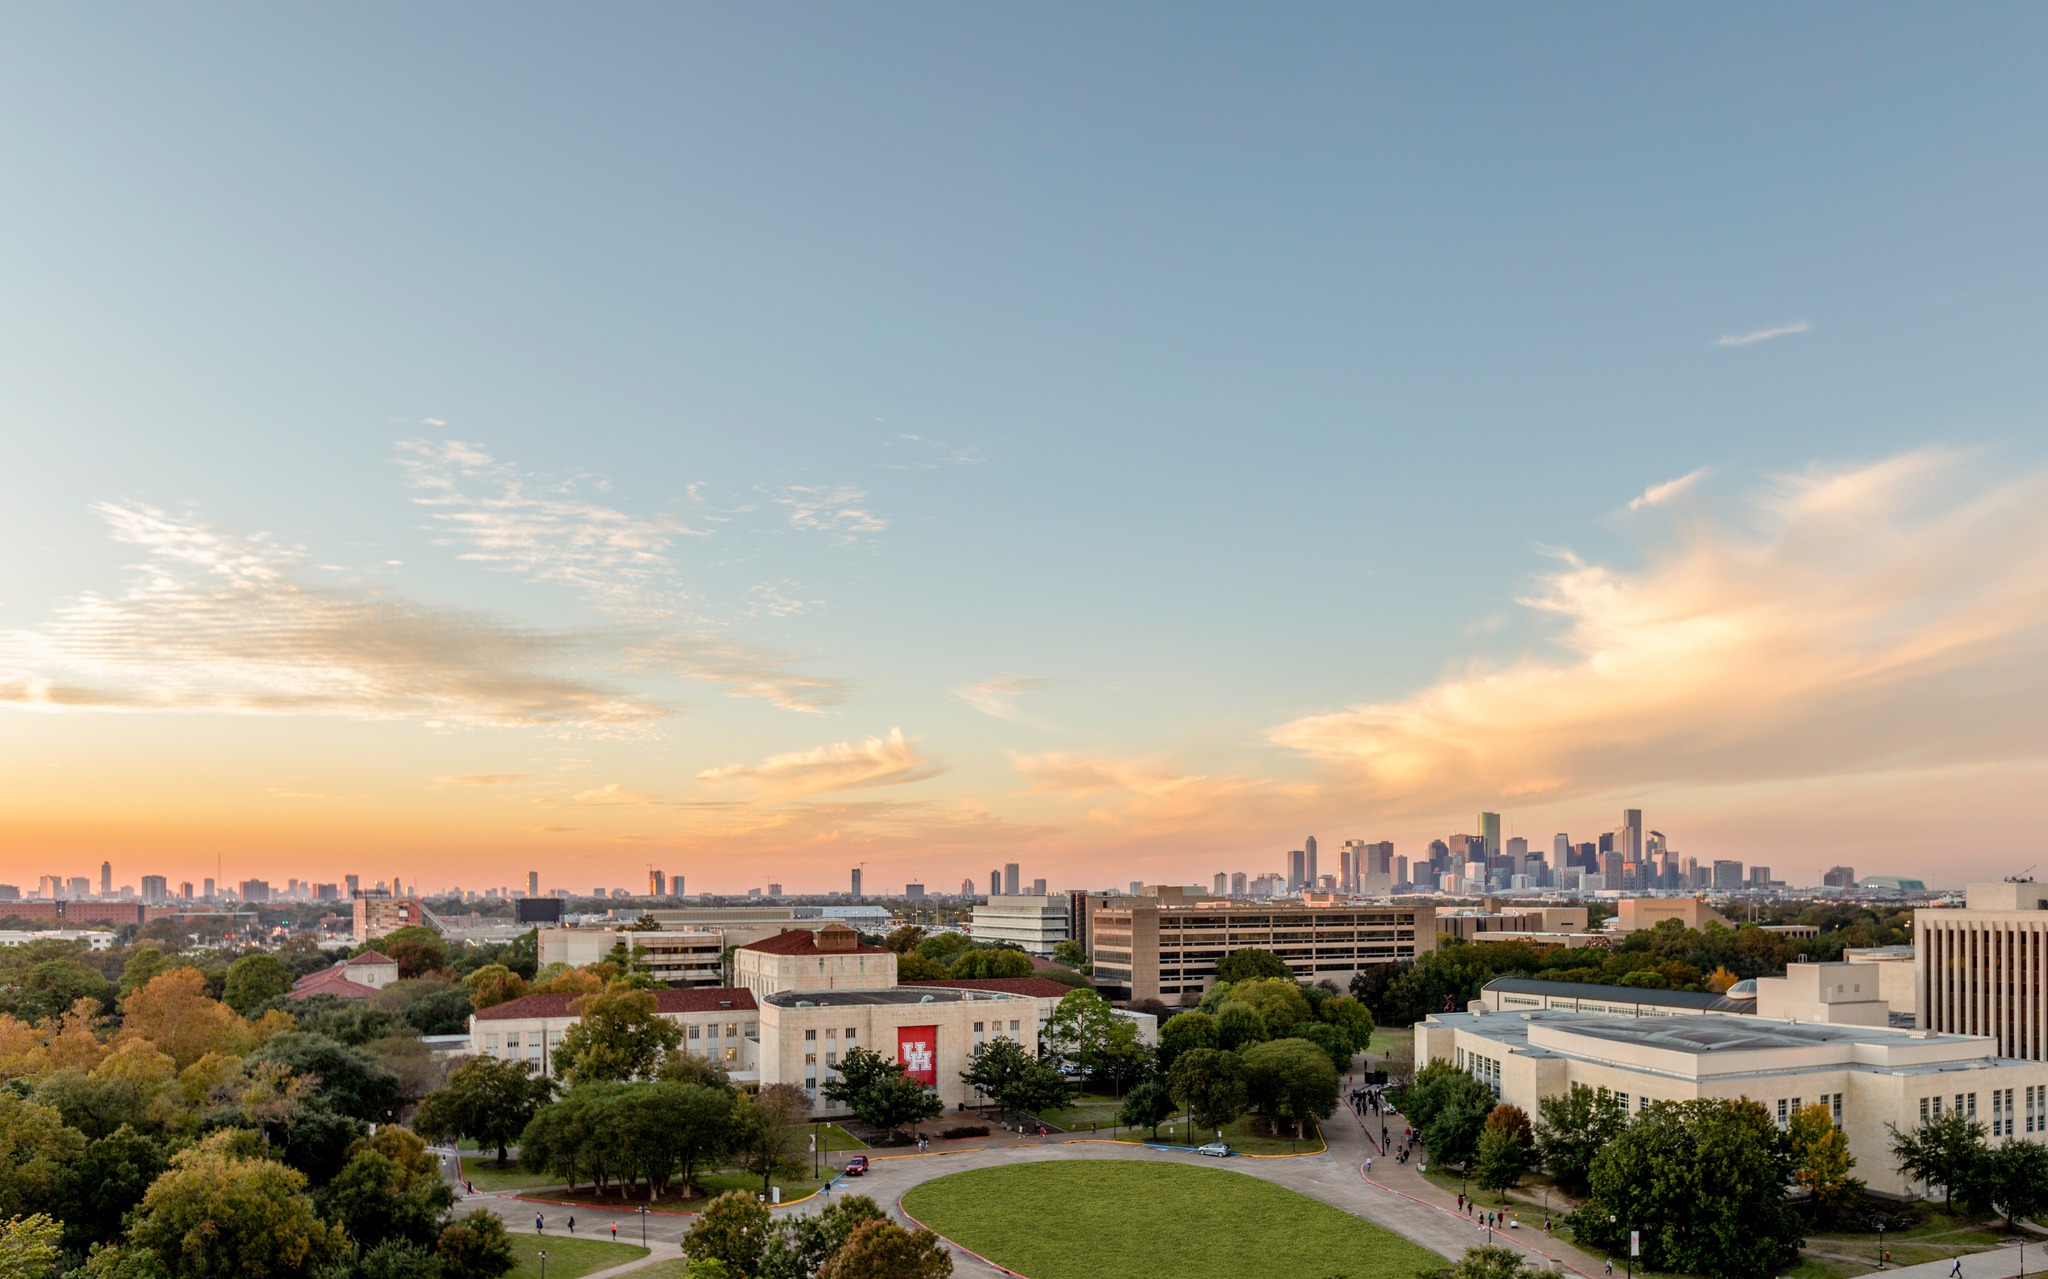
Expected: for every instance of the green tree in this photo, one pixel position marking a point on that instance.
(1146, 1105)
(1505, 1149)
(476, 1246)
(1449, 1108)
(804, 1243)
(881, 1249)
(1572, 1128)
(1069, 954)
(28, 1246)
(108, 1261)
(254, 980)
(732, 1229)
(1704, 1182)
(1251, 963)
(218, 1213)
(995, 1065)
(1183, 1031)
(144, 962)
(1080, 1031)
(1278, 1002)
(1496, 1262)
(1238, 1027)
(767, 1128)
(903, 939)
(1351, 1017)
(36, 1148)
(2013, 1179)
(493, 984)
(879, 1092)
(1336, 1045)
(417, 950)
(391, 1188)
(1210, 1084)
(1941, 1152)
(619, 1036)
(695, 1119)
(1821, 1160)
(351, 1080)
(486, 1099)
(1291, 1078)
(101, 1185)
(981, 965)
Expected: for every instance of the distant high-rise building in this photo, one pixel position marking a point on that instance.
(1309, 875)
(995, 883)
(675, 885)
(1628, 839)
(255, 890)
(1516, 848)
(1400, 871)
(533, 883)
(353, 883)
(657, 884)
(106, 879)
(1489, 834)
(967, 887)
(1727, 874)
(1839, 877)
(1137, 887)
(1560, 851)
(1759, 877)
(1010, 879)
(1221, 886)
(775, 890)
(1237, 884)
(1297, 870)
(327, 892)
(185, 891)
(81, 888)
(913, 892)
(856, 883)
(154, 888)
(1038, 888)
(210, 894)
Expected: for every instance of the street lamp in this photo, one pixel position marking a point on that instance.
(642, 1210)
(543, 1263)
(1880, 1245)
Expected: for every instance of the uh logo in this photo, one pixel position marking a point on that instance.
(917, 1056)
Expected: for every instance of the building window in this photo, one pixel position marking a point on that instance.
(512, 1043)
(810, 1036)
(1784, 1113)
(491, 1047)
(1835, 1109)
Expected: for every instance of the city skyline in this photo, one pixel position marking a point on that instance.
(1079, 440)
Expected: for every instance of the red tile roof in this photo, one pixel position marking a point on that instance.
(712, 1000)
(802, 941)
(330, 981)
(370, 957)
(1036, 987)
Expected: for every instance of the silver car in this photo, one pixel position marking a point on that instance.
(1219, 1149)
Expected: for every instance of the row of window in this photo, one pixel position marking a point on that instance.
(1787, 1109)
(1485, 1069)
(1965, 1104)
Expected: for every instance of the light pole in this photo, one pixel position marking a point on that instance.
(543, 1263)
(642, 1210)
(1880, 1245)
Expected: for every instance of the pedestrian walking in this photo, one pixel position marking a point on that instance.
(1956, 1271)
(1610, 1265)
(572, 1223)
(536, 1223)
(1368, 1165)
(615, 1232)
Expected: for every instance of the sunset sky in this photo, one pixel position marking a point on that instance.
(756, 441)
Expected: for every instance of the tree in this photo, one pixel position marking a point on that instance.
(1704, 1183)
(981, 965)
(493, 984)
(173, 1011)
(476, 1247)
(1238, 1027)
(995, 1065)
(1494, 1262)
(416, 949)
(1350, 1016)
(801, 1244)
(879, 1092)
(2013, 1178)
(1250, 963)
(1080, 1031)
(144, 963)
(1278, 1002)
(429, 1006)
(28, 1246)
(1449, 1108)
(486, 1099)
(36, 1147)
(698, 1120)
(101, 1185)
(221, 1212)
(1821, 1160)
(619, 1036)
(1183, 1031)
(1040, 1086)
(1290, 1077)
(253, 980)
(1572, 1128)
(881, 1249)
(1336, 1045)
(1943, 1152)
(1505, 1149)
(391, 1188)
(1146, 1105)
(767, 1127)
(904, 939)
(1210, 1084)
(1069, 954)
(350, 1080)
(732, 1229)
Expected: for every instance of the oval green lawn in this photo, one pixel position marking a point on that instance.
(1109, 1219)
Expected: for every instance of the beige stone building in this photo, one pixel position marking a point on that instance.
(1158, 948)
(719, 1025)
(1867, 1076)
(1634, 914)
(831, 957)
(1983, 969)
(674, 958)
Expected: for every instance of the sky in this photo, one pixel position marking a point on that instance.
(442, 442)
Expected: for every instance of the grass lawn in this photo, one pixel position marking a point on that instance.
(568, 1258)
(1107, 1219)
(485, 1175)
(836, 1138)
(674, 1268)
(1096, 1108)
(1829, 1255)
(1397, 1042)
(709, 1185)
(1240, 1135)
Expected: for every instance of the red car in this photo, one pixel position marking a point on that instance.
(857, 1166)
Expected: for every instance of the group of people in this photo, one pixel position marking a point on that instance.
(1487, 1219)
(1364, 1099)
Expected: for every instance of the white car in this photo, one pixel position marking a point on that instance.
(1219, 1149)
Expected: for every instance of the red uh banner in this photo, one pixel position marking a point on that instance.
(917, 1047)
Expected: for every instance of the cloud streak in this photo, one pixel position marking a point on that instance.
(878, 761)
(1660, 494)
(1146, 797)
(1764, 335)
(840, 513)
(1850, 621)
(218, 622)
(997, 697)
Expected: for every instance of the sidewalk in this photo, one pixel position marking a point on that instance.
(2000, 1263)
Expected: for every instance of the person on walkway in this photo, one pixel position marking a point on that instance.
(572, 1223)
(537, 1223)
(615, 1232)
(1461, 1202)
(1610, 1265)
(1956, 1271)
(1368, 1165)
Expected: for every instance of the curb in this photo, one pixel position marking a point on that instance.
(905, 1213)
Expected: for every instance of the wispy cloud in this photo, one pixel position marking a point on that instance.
(612, 794)
(1659, 494)
(998, 696)
(216, 621)
(839, 512)
(1848, 622)
(485, 779)
(1152, 796)
(743, 670)
(1764, 335)
(877, 761)
(938, 453)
